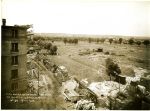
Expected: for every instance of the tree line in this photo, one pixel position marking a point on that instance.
(43, 44)
(130, 41)
(71, 40)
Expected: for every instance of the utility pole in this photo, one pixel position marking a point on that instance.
(38, 72)
(119, 84)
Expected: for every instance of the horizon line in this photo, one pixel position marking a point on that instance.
(89, 34)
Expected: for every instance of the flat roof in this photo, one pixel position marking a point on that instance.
(17, 26)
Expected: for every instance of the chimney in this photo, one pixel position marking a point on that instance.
(4, 22)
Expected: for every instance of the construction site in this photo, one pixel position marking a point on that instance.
(75, 55)
(52, 86)
(46, 74)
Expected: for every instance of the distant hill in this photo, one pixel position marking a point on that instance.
(86, 35)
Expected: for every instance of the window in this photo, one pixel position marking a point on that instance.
(14, 86)
(14, 47)
(14, 60)
(14, 33)
(14, 74)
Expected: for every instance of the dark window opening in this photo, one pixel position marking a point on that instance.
(14, 60)
(14, 86)
(14, 33)
(14, 47)
(14, 74)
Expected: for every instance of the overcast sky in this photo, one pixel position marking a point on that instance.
(80, 16)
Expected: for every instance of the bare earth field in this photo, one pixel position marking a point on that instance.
(92, 66)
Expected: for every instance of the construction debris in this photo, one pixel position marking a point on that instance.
(61, 74)
(31, 57)
(86, 92)
(139, 72)
(85, 95)
(121, 79)
(105, 88)
(99, 50)
(68, 90)
(85, 52)
(145, 81)
(85, 82)
(32, 74)
(40, 84)
(84, 105)
(73, 90)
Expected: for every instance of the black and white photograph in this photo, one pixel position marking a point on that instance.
(75, 55)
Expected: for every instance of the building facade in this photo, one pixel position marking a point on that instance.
(13, 58)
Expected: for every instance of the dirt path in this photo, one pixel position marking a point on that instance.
(54, 86)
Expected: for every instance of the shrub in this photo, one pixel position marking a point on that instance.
(31, 42)
(65, 40)
(120, 40)
(53, 50)
(99, 50)
(102, 40)
(106, 53)
(146, 42)
(112, 68)
(110, 40)
(48, 46)
(75, 41)
(97, 40)
(138, 43)
(131, 41)
(89, 40)
(113, 53)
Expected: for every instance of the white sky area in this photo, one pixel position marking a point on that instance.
(80, 16)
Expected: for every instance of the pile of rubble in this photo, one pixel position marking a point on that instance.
(68, 90)
(106, 89)
(139, 72)
(38, 83)
(77, 92)
(108, 94)
(84, 105)
(38, 80)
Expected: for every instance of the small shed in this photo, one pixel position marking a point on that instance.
(121, 79)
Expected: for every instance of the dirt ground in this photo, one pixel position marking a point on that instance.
(83, 63)
(92, 66)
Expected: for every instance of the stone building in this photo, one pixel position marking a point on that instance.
(13, 58)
